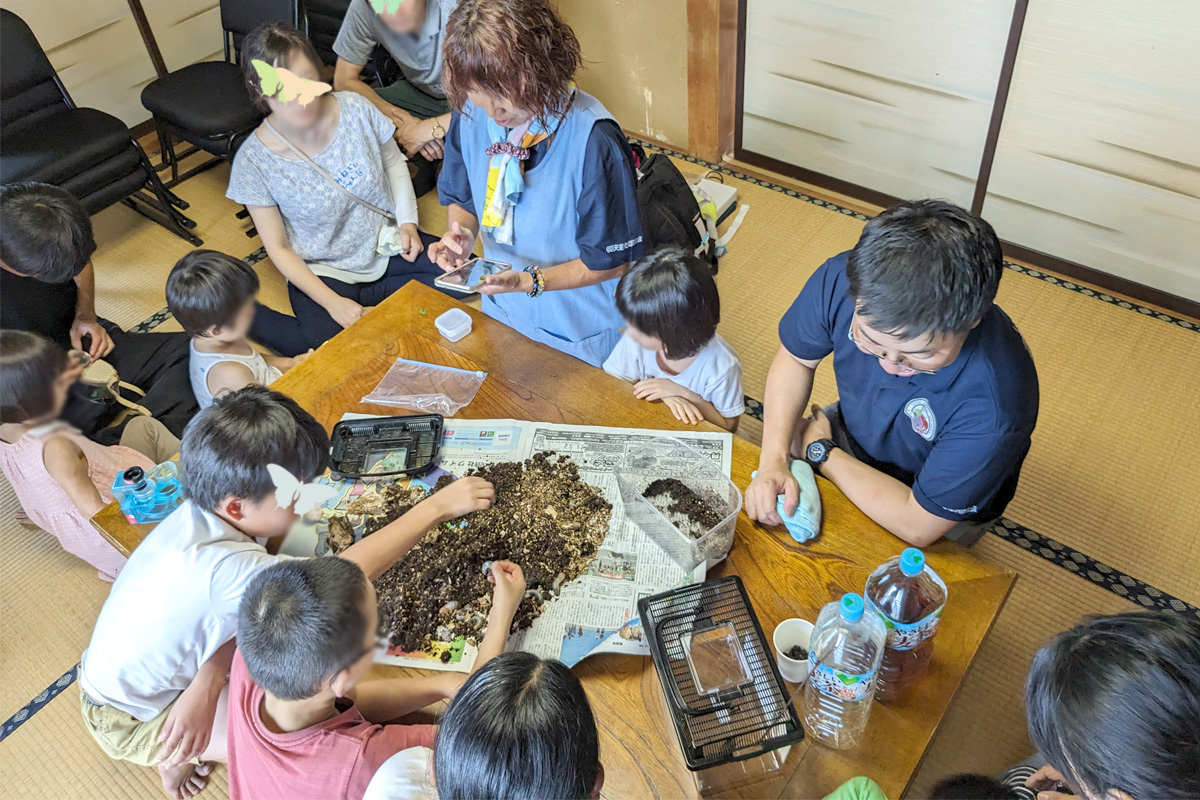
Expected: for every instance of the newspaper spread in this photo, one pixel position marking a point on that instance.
(597, 612)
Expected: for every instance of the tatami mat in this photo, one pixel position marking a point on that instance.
(1111, 474)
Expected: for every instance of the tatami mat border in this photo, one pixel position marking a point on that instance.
(1186, 324)
(38, 703)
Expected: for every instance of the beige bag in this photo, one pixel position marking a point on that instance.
(102, 384)
(389, 242)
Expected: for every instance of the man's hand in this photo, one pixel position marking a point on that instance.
(684, 410)
(763, 492)
(454, 249)
(510, 280)
(411, 133)
(659, 389)
(510, 588)
(345, 312)
(101, 344)
(1047, 782)
(189, 725)
(410, 242)
(462, 497)
(818, 426)
(434, 150)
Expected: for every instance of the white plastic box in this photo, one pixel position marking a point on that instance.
(454, 324)
(670, 458)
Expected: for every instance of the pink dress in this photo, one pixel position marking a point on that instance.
(48, 505)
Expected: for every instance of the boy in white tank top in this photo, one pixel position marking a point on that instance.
(213, 296)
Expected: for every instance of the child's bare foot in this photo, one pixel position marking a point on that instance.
(185, 780)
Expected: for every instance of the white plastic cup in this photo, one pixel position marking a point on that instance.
(788, 634)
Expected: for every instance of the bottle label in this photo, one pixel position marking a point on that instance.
(828, 680)
(907, 635)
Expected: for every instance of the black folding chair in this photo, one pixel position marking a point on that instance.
(45, 137)
(206, 104)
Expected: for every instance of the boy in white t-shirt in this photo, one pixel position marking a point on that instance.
(670, 350)
(213, 296)
(152, 681)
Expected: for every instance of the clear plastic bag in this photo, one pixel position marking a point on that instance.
(429, 388)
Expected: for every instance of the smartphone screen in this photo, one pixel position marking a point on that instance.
(469, 276)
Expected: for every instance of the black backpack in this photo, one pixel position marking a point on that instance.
(670, 214)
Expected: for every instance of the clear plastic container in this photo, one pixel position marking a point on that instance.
(908, 597)
(454, 324)
(667, 458)
(844, 654)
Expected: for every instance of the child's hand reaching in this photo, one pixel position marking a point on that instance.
(189, 725)
(510, 589)
(462, 497)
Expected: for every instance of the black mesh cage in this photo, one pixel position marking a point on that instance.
(718, 674)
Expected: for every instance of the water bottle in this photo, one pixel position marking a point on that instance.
(844, 654)
(908, 597)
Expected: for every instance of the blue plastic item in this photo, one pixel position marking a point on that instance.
(805, 522)
(146, 497)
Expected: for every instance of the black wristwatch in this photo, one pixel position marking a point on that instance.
(817, 453)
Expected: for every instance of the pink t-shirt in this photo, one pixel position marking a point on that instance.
(332, 760)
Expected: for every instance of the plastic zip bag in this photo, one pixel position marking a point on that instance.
(429, 388)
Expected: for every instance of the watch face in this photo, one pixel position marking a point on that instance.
(816, 452)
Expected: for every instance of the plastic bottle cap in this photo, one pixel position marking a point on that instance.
(912, 562)
(134, 475)
(852, 607)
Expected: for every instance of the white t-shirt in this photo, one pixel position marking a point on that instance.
(715, 375)
(404, 776)
(173, 605)
(199, 365)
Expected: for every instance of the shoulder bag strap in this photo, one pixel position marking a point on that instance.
(324, 174)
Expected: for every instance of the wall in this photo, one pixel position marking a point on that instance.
(187, 31)
(1099, 154)
(892, 96)
(635, 61)
(96, 49)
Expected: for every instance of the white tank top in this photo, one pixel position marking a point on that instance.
(200, 363)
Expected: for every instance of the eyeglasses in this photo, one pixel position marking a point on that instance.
(853, 336)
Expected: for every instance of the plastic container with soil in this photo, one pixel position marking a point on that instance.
(692, 507)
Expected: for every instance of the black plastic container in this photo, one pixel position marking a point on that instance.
(358, 445)
(722, 687)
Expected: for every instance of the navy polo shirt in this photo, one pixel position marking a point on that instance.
(958, 436)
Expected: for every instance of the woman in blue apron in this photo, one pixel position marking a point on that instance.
(540, 172)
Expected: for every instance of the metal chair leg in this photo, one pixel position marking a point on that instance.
(167, 213)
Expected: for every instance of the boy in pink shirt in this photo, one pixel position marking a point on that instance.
(301, 723)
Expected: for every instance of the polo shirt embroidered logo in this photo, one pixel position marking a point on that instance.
(923, 420)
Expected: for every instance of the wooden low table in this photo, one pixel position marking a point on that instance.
(638, 747)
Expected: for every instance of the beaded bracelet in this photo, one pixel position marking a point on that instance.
(539, 281)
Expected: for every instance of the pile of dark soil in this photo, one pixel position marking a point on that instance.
(687, 511)
(544, 519)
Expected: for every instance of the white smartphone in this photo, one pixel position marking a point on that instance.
(469, 277)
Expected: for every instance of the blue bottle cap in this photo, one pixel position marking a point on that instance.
(912, 562)
(852, 607)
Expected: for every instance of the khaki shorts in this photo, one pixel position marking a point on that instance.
(121, 735)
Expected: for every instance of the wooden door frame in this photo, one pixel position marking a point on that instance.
(715, 28)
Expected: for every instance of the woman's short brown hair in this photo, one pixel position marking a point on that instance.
(274, 44)
(521, 50)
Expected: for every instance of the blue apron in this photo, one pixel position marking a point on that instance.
(581, 322)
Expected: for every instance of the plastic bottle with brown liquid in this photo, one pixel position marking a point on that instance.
(909, 597)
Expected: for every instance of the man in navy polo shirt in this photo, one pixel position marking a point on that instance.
(938, 395)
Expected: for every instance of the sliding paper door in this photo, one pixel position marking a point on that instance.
(891, 96)
(1099, 154)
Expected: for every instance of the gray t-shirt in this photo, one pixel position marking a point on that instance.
(331, 232)
(418, 55)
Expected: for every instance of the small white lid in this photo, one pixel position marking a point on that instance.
(454, 324)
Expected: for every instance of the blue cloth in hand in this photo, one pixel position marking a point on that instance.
(805, 522)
